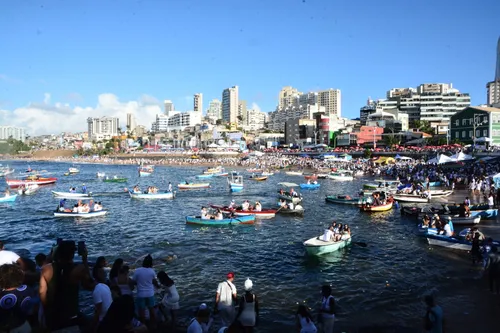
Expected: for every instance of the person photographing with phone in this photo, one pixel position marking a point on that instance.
(60, 285)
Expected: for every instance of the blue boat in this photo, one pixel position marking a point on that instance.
(485, 214)
(433, 184)
(9, 198)
(197, 220)
(310, 186)
(205, 176)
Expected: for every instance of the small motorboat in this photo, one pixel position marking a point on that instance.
(101, 175)
(72, 195)
(267, 173)
(205, 176)
(263, 214)
(81, 215)
(215, 170)
(258, 178)
(160, 195)
(8, 198)
(221, 174)
(294, 173)
(114, 179)
(15, 183)
(297, 210)
(197, 220)
(458, 242)
(315, 246)
(235, 183)
(455, 207)
(411, 198)
(382, 184)
(341, 176)
(380, 208)
(288, 197)
(343, 199)
(193, 186)
(310, 185)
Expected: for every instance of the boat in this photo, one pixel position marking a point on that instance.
(297, 210)
(462, 220)
(235, 173)
(145, 171)
(485, 214)
(72, 195)
(217, 169)
(263, 214)
(193, 186)
(342, 176)
(432, 184)
(82, 215)
(343, 199)
(221, 174)
(322, 175)
(101, 174)
(311, 177)
(259, 179)
(380, 208)
(382, 183)
(115, 179)
(6, 171)
(411, 198)
(14, 183)
(267, 173)
(28, 189)
(310, 186)
(235, 183)
(453, 207)
(8, 198)
(73, 170)
(286, 196)
(197, 220)
(159, 195)
(315, 246)
(294, 173)
(205, 176)
(440, 193)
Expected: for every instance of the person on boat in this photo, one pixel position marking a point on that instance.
(338, 232)
(293, 193)
(328, 235)
(305, 322)
(84, 189)
(309, 181)
(169, 187)
(291, 206)
(219, 215)
(204, 214)
(258, 206)
(115, 177)
(426, 221)
(75, 208)
(446, 229)
(186, 182)
(283, 204)
(245, 205)
(436, 222)
(97, 207)
(282, 192)
(72, 190)
(346, 232)
(491, 201)
(232, 205)
(315, 182)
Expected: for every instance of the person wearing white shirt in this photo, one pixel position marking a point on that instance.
(225, 298)
(9, 257)
(491, 201)
(145, 278)
(102, 301)
(329, 235)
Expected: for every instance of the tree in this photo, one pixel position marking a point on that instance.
(367, 153)
(391, 140)
(423, 126)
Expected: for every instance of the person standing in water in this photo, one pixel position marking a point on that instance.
(248, 308)
(327, 311)
(225, 298)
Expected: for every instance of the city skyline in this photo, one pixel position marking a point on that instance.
(91, 70)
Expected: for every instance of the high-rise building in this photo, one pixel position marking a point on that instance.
(131, 123)
(16, 133)
(287, 97)
(103, 128)
(169, 107)
(230, 104)
(493, 87)
(242, 112)
(255, 120)
(198, 103)
(331, 100)
(214, 109)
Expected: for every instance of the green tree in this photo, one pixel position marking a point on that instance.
(391, 140)
(367, 153)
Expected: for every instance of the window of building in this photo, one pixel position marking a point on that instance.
(464, 122)
(478, 133)
(463, 134)
(485, 119)
(485, 133)
(457, 122)
(457, 135)
(470, 134)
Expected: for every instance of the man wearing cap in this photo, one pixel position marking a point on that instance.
(225, 299)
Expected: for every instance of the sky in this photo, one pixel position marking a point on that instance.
(63, 61)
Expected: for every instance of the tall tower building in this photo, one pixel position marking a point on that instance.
(198, 103)
(493, 87)
(214, 109)
(169, 106)
(288, 96)
(230, 104)
(131, 123)
(332, 101)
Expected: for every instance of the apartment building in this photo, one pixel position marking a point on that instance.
(103, 128)
(198, 103)
(214, 111)
(168, 106)
(230, 104)
(16, 133)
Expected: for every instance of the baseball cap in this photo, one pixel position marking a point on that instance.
(230, 275)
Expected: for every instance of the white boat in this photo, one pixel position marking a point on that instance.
(82, 215)
(463, 220)
(440, 193)
(265, 173)
(315, 246)
(101, 174)
(410, 198)
(28, 189)
(294, 173)
(6, 171)
(342, 176)
(73, 170)
(71, 195)
(235, 183)
(162, 195)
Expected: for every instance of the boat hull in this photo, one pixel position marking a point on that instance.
(485, 214)
(317, 247)
(341, 178)
(197, 220)
(294, 173)
(81, 215)
(263, 214)
(310, 186)
(343, 201)
(450, 243)
(193, 186)
(164, 195)
(14, 183)
(298, 212)
(205, 176)
(10, 198)
(71, 195)
(295, 200)
(115, 180)
(381, 208)
(410, 198)
(144, 173)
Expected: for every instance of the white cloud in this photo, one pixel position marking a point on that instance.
(255, 107)
(46, 118)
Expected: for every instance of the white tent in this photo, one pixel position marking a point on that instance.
(440, 159)
(461, 157)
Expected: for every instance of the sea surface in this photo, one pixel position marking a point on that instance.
(384, 281)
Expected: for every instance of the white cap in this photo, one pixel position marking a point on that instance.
(248, 284)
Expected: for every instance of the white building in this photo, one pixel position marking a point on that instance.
(230, 104)
(332, 102)
(16, 133)
(214, 111)
(493, 92)
(176, 121)
(255, 120)
(242, 112)
(278, 118)
(169, 107)
(131, 122)
(103, 128)
(198, 103)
